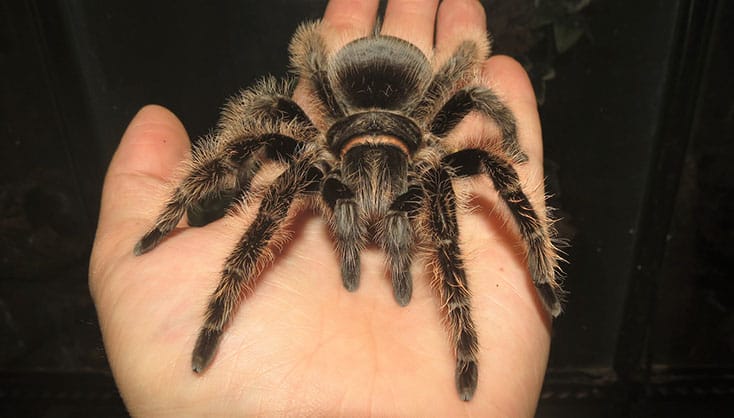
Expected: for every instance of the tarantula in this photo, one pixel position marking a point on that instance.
(374, 164)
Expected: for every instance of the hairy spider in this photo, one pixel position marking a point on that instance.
(374, 164)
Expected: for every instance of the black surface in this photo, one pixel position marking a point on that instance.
(601, 118)
(638, 120)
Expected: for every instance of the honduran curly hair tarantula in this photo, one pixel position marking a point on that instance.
(374, 164)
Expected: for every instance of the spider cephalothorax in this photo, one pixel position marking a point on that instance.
(373, 164)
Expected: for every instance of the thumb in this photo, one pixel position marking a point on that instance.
(153, 146)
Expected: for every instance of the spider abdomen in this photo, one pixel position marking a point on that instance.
(381, 72)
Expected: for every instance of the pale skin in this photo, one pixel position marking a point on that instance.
(301, 344)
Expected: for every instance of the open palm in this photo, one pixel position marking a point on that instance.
(301, 344)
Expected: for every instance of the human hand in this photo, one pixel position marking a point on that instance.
(301, 344)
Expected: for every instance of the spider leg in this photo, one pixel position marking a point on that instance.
(486, 102)
(214, 172)
(443, 230)
(456, 68)
(251, 254)
(443, 107)
(267, 103)
(396, 238)
(309, 54)
(347, 228)
(214, 205)
(542, 258)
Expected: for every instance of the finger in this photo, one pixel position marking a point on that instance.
(455, 18)
(349, 19)
(153, 146)
(412, 20)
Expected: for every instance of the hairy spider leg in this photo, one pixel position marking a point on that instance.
(541, 254)
(459, 66)
(443, 107)
(224, 166)
(346, 226)
(269, 101)
(215, 204)
(310, 56)
(397, 239)
(251, 254)
(214, 172)
(486, 102)
(267, 104)
(440, 212)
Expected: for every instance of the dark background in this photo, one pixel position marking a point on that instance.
(638, 121)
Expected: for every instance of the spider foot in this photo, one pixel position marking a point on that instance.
(550, 299)
(206, 345)
(148, 242)
(402, 288)
(350, 276)
(466, 378)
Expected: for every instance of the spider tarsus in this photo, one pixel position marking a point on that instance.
(403, 297)
(148, 242)
(466, 378)
(542, 278)
(549, 297)
(204, 350)
(350, 277)
(403, 288)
